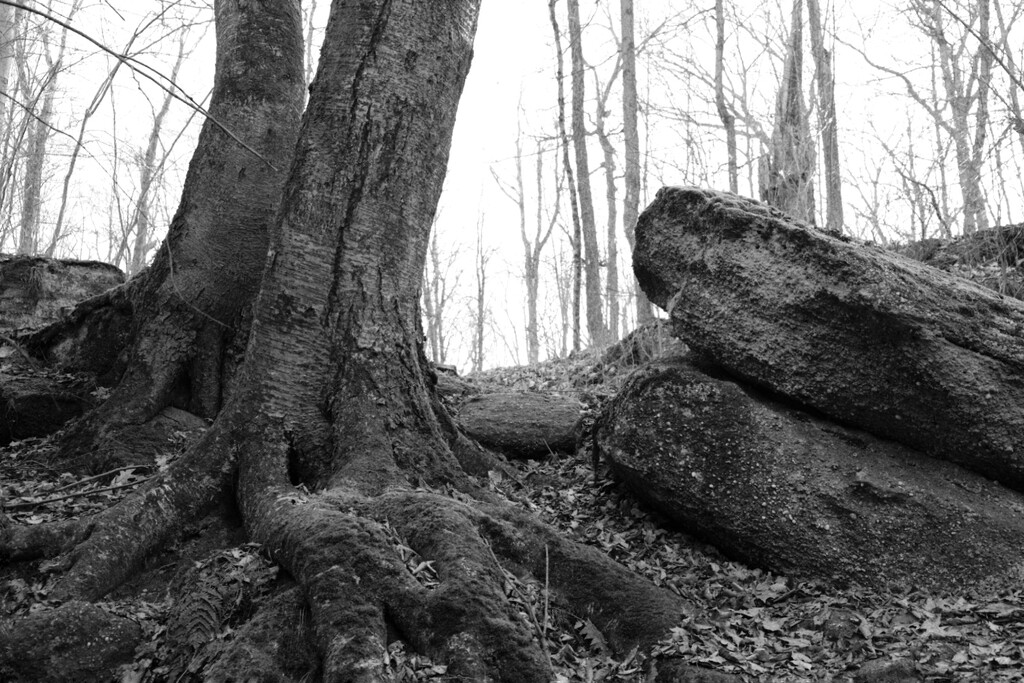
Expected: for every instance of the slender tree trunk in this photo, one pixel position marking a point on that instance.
(148, 171)
(7, 35)
(631, 132)
(957, 85)
(728, 120)
(480, 300)
(787, 171)
(611, 200)
(32, 187)
(829, 122)
(591, 255)
(577, 254)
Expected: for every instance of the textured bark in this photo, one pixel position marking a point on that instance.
(334, 446)
(190, 308)
(787, 171)
(829, 123)
(784, 490)
(522, 425)
(863, 335)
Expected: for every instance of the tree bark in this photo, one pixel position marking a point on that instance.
(728, 120)
(190, 308)
(574, 205)
(787, 171)
(630, 110)
(863, 335)
(596, 328)
(334, 443)
(829, 122)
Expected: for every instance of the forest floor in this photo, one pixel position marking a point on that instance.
(746, 622)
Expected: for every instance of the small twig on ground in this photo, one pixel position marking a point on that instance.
(99, 476)
(21, 506)
(17, 347)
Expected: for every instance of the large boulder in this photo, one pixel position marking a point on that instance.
(781, 489)
(522, 424)
(863, 335)
(35, 291)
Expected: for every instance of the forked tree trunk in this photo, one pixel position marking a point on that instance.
(190, 307)
(339, 440)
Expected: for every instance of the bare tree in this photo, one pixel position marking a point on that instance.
(728, 119)
(482, 257)
(440, 283)
(591, 255)
(827, 120)
(576, 237)
(630, 111)
(786, 173)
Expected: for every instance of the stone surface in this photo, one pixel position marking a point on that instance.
(863, 335)
(37, 403)
(75, 642)
(522, 424)
(781, 489)
(35, 291)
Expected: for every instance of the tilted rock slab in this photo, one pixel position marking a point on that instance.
(522, 424)
(770, 485)
(865, 336)
(35, 291)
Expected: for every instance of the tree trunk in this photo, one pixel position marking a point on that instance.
(7, 34)
(32, 188)
(787, 171)
(190, 308)
(577, 254)
(630, 110)
(611, 202)
(591, 256)
(865, 336)
(335, 445)
(828, 121)
(728, 120)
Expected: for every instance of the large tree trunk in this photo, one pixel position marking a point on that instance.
(190, 308)
(335, 433)
(863, 335)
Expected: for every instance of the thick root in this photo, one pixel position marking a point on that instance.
(123, 536)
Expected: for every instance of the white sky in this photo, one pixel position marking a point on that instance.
(514, 60)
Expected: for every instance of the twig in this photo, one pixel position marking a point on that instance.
(19, 506)
(17, 347)
(143, 70)
(98, 476)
